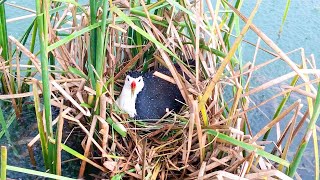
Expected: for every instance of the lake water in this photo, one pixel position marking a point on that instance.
(300, 30)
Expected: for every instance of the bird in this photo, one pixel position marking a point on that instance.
(145, 96)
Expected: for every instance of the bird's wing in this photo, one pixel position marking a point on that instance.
(156, 96)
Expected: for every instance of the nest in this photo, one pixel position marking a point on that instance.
(210, 138)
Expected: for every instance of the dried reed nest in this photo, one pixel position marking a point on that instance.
(210, 138)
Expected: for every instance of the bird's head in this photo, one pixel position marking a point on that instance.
(134, 83)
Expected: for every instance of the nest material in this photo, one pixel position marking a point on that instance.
(203, 141)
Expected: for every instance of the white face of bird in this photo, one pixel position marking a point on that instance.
(135, 85)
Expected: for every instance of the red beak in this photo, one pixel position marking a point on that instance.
(133, 87)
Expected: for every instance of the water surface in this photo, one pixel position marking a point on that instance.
(300, 30)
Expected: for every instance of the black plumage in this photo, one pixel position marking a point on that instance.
(157, 95)
(135, 74)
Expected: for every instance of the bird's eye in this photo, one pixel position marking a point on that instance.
(127, 79)
(139, 80)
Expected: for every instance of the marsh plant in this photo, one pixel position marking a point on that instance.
(85, 51)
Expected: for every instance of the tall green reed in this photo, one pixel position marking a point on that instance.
(281, 105)
(97, 50)
(3, 43)
(92, 45)
(3, 33)
(3, 163)
(303, 145)
(42, 9)
(26, 87)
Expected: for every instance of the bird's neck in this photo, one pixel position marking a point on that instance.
(128, 95)
(127, 102)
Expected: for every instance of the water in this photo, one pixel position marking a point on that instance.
(22, 131)
(17, 28)
(300, 30)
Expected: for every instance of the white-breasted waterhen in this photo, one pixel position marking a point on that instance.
(146, 97)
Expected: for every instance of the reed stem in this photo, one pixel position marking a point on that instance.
(42, 7)
(3, 163)
(303, 145)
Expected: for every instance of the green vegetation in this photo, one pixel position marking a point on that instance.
(85, 52)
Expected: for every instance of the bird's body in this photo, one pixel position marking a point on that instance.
(157, 96)
(151, 102)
